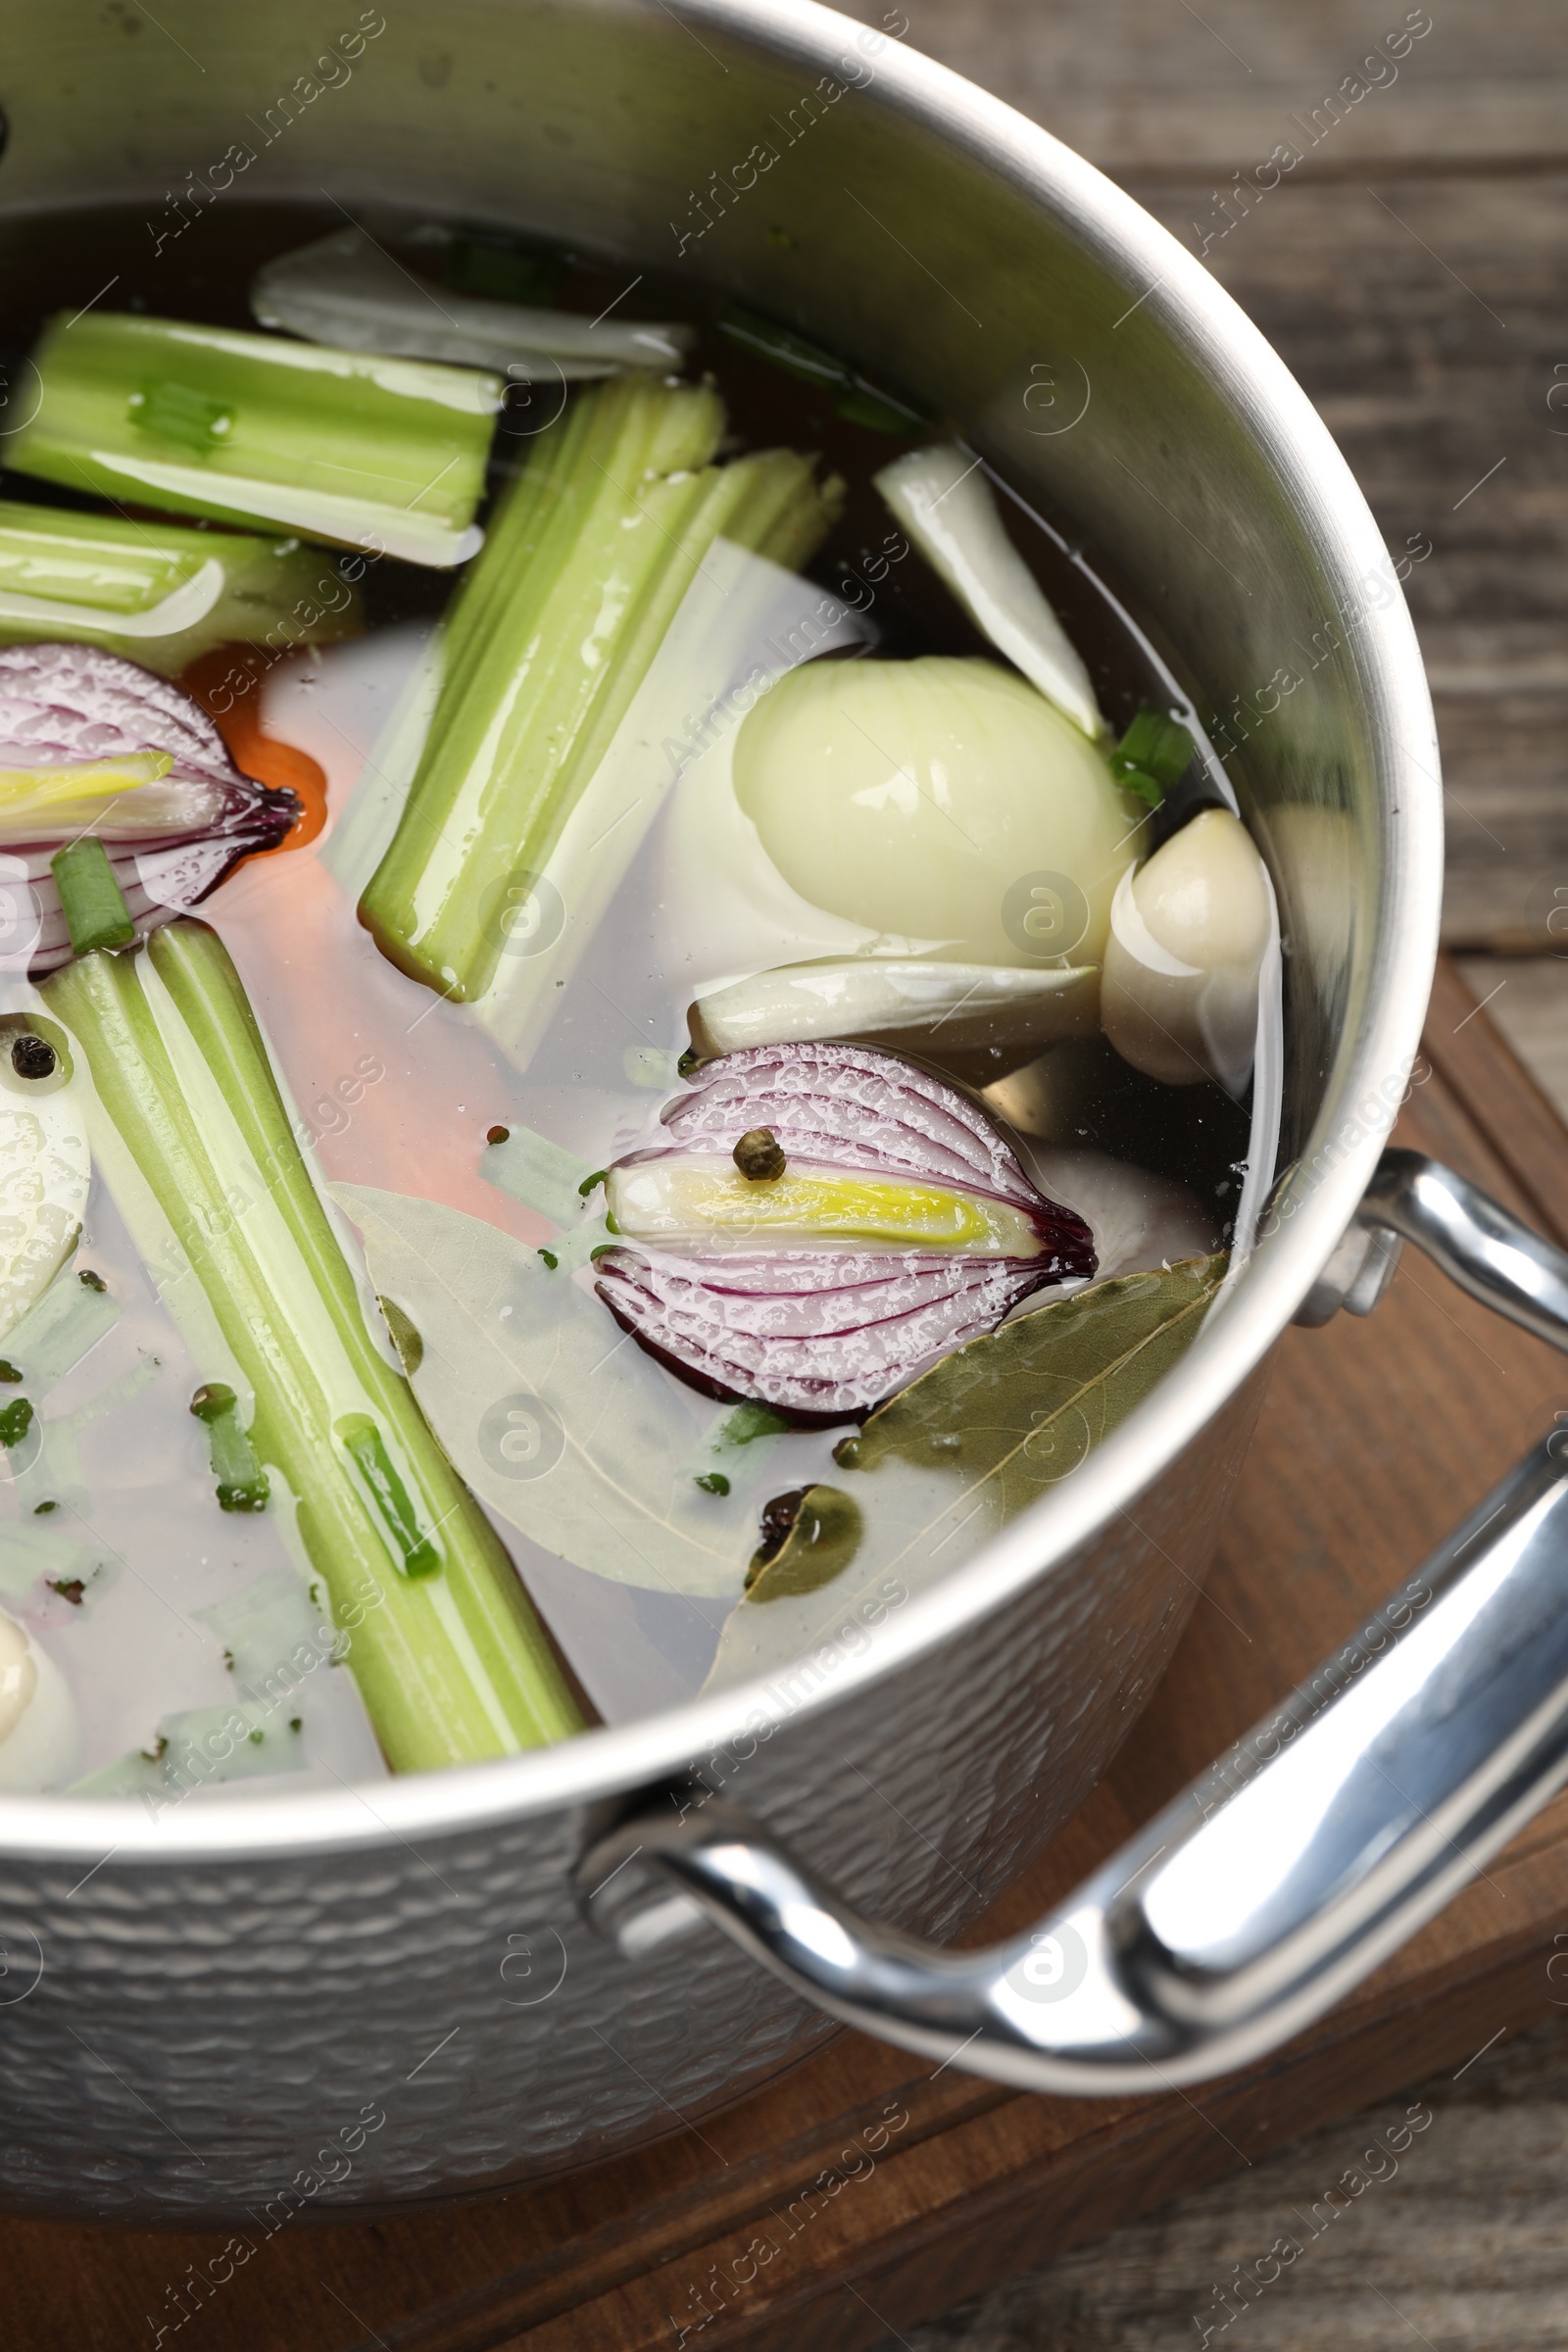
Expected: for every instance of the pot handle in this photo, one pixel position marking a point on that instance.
(1301, 1860)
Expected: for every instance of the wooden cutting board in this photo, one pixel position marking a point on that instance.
(865, 2190)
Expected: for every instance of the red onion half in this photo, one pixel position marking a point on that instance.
(745, 1298)
(169, 843)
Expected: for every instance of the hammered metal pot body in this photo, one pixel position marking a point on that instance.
(218, 2029)
(334, 2005)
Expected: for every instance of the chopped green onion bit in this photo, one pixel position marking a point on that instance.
(366, 1448)
(174, 412)
(242, 1484)
(1153, 755)
(96, 916)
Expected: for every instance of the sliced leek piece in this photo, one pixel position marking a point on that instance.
(950, 1004)
(348, 291)
(944, 501)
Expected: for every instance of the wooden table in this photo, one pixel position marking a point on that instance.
(1407, 271)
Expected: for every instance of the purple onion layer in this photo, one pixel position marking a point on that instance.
(168, 844)
(823, 1334)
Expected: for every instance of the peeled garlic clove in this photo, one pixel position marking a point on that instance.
(1178, 996)
(943, 1006)
(39, 1727)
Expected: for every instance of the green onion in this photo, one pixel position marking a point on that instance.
(340, 446)
(590, 554)
(241, 1480)
(16, 1419)
(450, 1659)
(96, 914)
(366, 1448)
(174, 412)
(858, 401)
(1154, 755)
(162, 593)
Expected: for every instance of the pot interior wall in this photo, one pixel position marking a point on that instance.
(789, 178)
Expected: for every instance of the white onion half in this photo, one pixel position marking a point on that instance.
(942, 799)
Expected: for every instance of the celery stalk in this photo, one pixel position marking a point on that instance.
(337, 445)
(162, 594)
(590, 555)
(452, 1663)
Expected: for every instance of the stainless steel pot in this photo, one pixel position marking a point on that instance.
(349, 2001)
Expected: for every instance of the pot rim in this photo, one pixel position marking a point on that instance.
(603, 1763)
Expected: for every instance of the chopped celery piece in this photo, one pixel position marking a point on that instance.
(590, 555)
(241, 1480)
(338, 445)
(163, 594)
(96, 914)
(450, 1659)
(273, 1635)
(31, 1556)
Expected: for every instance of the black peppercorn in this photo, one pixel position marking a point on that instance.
(759, 1157)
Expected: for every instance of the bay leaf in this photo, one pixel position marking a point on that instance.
(1021, 1406)
(967, 1446)
(553, 1414)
